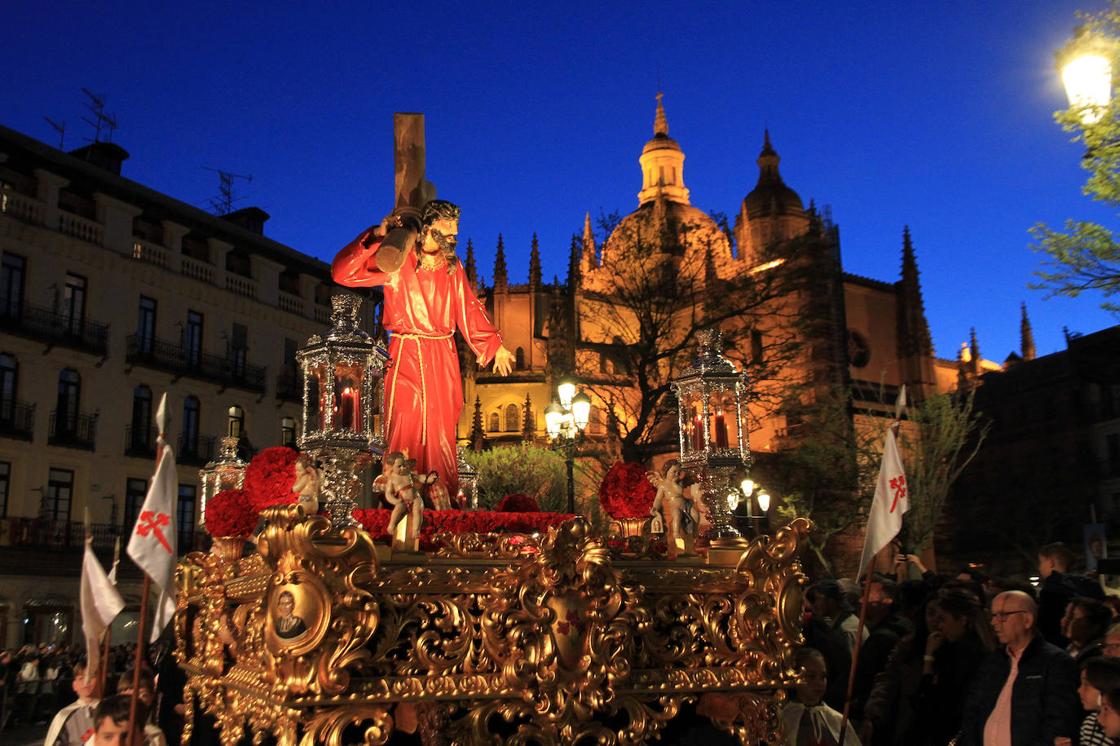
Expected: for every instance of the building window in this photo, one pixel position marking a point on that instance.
(235, 421)
(134, 492)
(192, 338)
(12, 270)
(185, 515)
(495, 422)
(513, 418)
(74, 303)
(140, 434)
(5, 487)
(288, 432)
(146, 325)
(756, 347)
(60, 493)
(238, 349)
(519, 359)
(9, 377)
(69, 402)
(189, 442)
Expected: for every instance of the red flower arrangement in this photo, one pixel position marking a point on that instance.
(626, 491)
(376, 523)
(269, 478)
(517, 503)
(230, 513)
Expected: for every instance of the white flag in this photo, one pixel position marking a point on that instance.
(152, 545)
(100, 604)
(890, 502)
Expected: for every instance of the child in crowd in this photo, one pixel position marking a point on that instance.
(1097, 675)
(808, 721)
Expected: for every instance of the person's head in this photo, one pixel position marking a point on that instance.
(1098, 674)
(394, 462)
(286, 603)
(1052, 558)
(881, 598)
(1014, 614)
(814, 676)
(1111, 644)
(440, 220)
(1088, 620)
(1109, 714)
(147, 686)
(83, 688)
(671, 469)
(826, 598)
(110, 720)
(959, 612)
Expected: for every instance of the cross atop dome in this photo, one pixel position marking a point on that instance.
(660, 122)
(662, 163)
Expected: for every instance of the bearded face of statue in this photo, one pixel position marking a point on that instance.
(441, 237)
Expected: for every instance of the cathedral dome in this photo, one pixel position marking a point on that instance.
(770, 196)
(666, 227)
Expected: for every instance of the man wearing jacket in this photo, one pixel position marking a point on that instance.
(1026, 693)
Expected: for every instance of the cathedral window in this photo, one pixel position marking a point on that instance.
(513, 418)
(859, 351)
(495, 422)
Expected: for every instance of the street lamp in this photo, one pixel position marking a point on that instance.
(748, 489)
(565, 422)
(1086, 68)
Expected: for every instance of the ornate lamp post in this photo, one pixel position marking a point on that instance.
(565, 422)
(226, 472)
(751, 492)
(712, 441)
(342, 375)
(1086, 68)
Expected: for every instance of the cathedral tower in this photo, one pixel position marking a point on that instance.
(771, 213)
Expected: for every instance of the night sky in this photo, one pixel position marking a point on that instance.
(935, 114)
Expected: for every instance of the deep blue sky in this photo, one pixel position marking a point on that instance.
(932, 114)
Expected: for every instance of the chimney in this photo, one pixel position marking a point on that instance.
(105, 155)
(250, 218)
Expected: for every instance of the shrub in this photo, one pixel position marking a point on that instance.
(524, 469)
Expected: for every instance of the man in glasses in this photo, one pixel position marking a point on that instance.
(1025, 692)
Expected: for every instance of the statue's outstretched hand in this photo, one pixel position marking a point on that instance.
(503, 361)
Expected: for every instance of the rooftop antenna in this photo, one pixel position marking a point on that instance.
(60, 128)
(224, 202)
(101, 120)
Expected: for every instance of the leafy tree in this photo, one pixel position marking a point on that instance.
(1085, 256)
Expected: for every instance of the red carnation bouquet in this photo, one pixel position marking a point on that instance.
(230, 513)
(626, 491)
(517, 503)
(269, 478)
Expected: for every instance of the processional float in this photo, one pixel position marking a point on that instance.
(317, 634)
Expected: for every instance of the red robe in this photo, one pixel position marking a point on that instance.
(423, 387)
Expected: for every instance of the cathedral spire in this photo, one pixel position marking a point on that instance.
(1026, 335)
(471, 266)
(478, 435)
(588, 260)
(660, 121)
(535, 264)
(528, 425)
(974, 352)
(913, 328)
(575, 266)
(501, 274)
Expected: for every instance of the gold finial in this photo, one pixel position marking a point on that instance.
(660, 123)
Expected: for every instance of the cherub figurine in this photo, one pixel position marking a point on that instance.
(306, 484)
(675, 506)
(402, 491)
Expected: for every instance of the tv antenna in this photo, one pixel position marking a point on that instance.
(101, 120)
(60, 128)
(223, 204)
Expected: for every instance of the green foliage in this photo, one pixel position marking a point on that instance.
(1086, 256)
(530, 470)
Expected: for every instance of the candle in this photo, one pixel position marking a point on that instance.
(721, 431)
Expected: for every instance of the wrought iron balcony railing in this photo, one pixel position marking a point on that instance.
(51, 327)
(198, 450)
(73, 430)
(160, 354)
(45, 533)
(17, 419)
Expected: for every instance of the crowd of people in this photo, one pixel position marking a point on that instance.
(49, 685)
(968, 660)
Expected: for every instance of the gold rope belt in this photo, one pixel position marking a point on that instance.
(423, 385)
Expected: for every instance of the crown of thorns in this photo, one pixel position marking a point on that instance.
(439, 209)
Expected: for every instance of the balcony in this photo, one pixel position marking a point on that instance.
(196, 451)
(81, 228)
(44, 533)
(149, 253)
(162, 355)
(72, 430)
(52, 328)
(21, 206)
(289, 386)
(140, 442)
(17, 419)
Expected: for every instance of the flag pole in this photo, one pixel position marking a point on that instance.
(103, 664)
(135, 736)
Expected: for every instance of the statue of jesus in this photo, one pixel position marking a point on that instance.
(426, 299)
